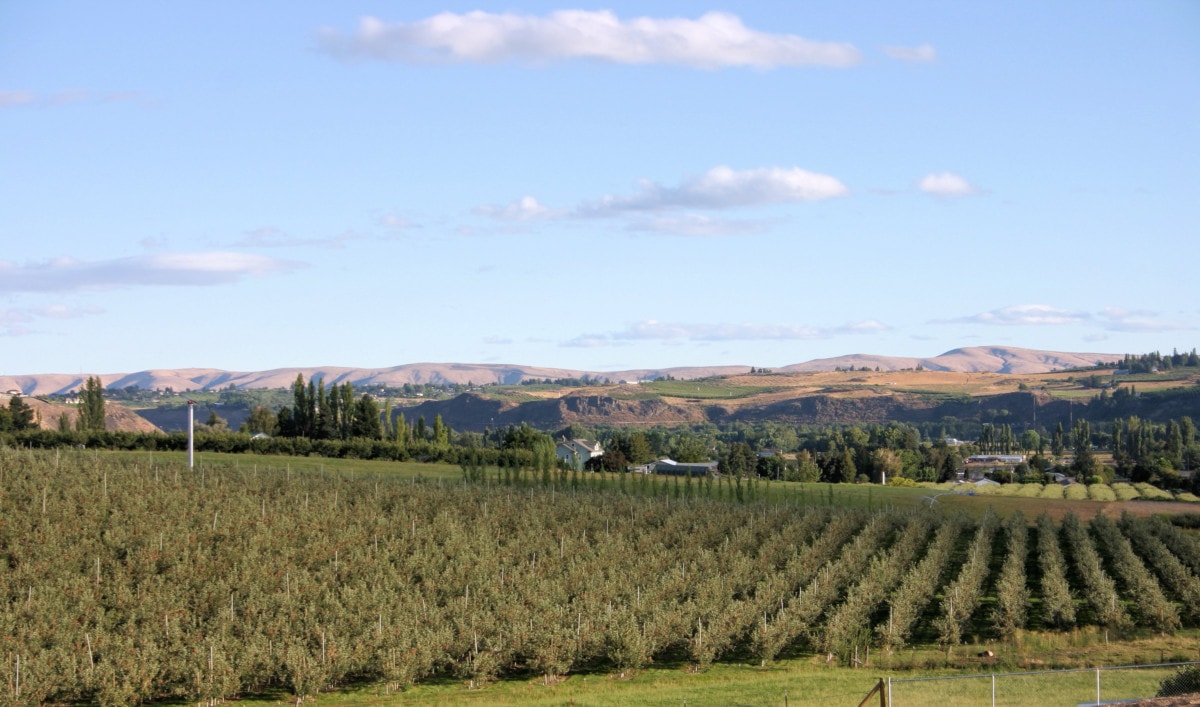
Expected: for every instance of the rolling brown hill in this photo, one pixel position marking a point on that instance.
(974, 359)
(117, 418)
(996, 359)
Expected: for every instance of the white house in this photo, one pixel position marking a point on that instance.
(576, 452)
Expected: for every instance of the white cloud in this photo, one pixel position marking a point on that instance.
(653, 330)
(723, 187)
(497, 340)
(526, 208)
(946, 184)
(205, 268)
(698, 225)
(713, 40)
(924, 53)
(1022, 315)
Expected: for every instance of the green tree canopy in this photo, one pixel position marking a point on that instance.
(91, 406)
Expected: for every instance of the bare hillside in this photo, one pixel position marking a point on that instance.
(117, 418)
(993, 359)
(974, 359)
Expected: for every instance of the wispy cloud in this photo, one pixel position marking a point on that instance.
(196, 269)
(16, 99)
(945, 184)
(526, 208)
(1022, 315)
(714, 40)
(395, 222)
(722, 188)
(271, 237)
(921, 54)
(652, 330)
(698, 226)
(1137, 321)
(14, 322)
(1109, 319)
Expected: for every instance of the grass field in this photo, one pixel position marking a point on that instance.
(809, 681)
(1002, 500)
(705, 389)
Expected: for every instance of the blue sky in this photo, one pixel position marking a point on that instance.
(250, 186)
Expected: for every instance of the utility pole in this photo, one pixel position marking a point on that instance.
(191, 433)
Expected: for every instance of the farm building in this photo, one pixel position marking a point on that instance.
(577, 452)
(671, 467)
(996, 459)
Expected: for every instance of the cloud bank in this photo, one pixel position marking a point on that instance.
(712, 41)
(196, 269)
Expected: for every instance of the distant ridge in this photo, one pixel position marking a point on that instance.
(973, 359)
(977, 359)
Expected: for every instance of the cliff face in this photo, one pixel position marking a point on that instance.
(471, 412)
(474, 413)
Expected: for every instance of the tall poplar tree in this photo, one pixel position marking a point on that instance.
(91, 406)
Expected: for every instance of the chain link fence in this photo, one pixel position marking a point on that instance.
(1075, 687)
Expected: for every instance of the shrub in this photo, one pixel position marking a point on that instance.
(1076, 492)
(1184, 682)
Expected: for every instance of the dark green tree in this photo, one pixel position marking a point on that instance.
(91, 406)
(441, 433)
(1058, 444)
(22, 415)
(365, 422)
(261, 421)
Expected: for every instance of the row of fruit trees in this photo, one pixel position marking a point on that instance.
(127, 581)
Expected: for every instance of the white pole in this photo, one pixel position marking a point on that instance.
(191, 434)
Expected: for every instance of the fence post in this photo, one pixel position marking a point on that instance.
(993, 690)
(1097, 686)
(889, 691)
(878, 688)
